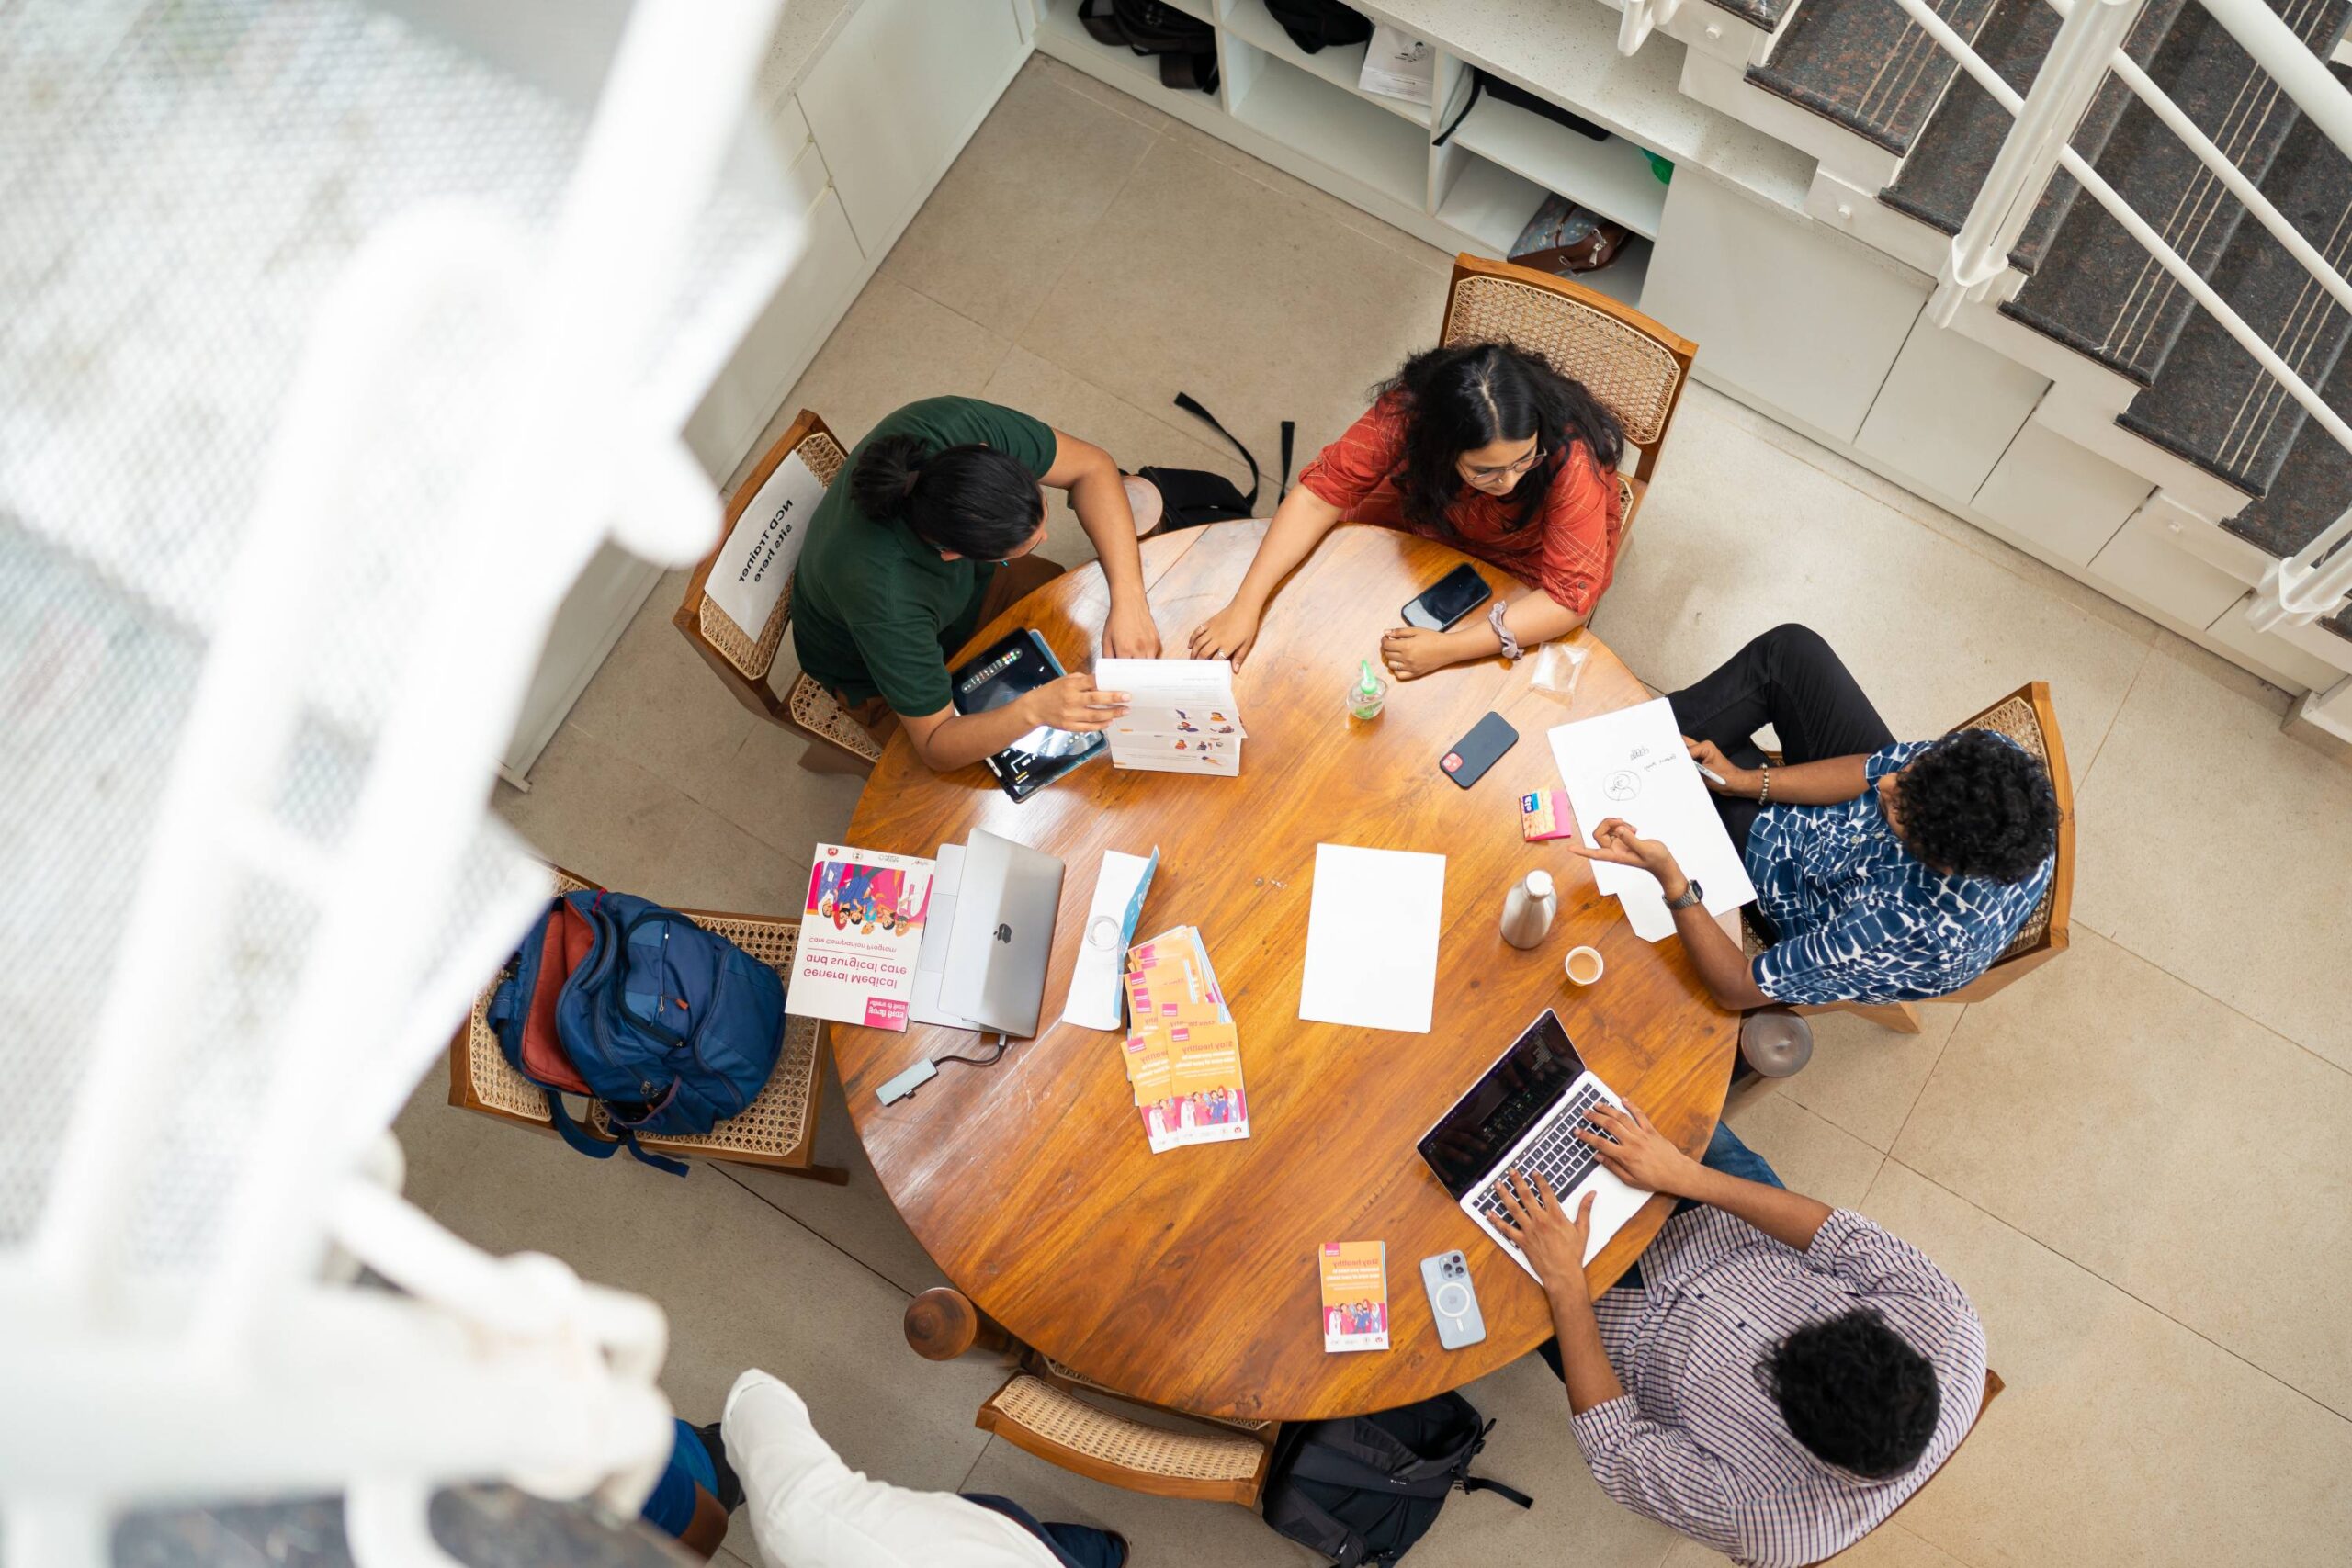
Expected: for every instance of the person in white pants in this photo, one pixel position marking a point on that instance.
(809, 1510)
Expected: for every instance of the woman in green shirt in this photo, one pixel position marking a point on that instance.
(933, 535)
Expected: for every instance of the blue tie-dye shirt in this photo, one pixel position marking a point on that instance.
(1863, 919)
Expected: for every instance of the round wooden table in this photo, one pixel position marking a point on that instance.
(1188, 1278)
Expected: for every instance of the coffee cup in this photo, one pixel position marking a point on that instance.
(1583, 966)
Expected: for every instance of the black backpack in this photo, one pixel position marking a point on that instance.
(1364, 1488)
(1315, 24)
(1193, 496)
(1186, 46)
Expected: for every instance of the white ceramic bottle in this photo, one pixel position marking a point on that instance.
(1528, 910)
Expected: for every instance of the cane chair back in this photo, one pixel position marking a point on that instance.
(744, 657)
(1635, 367)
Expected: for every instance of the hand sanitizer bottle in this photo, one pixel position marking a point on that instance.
(1528, 910)
(1369, 694)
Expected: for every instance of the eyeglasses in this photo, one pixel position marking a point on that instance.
(1510, 470)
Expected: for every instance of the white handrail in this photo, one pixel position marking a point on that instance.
(2309, 584)
(2259, 206)
(1641, 16)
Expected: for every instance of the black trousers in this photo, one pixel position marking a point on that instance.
(1791, 679)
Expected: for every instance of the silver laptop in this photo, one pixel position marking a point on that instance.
(1522, 1116)
(1002, 935)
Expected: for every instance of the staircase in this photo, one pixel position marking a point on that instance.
(2145, 358)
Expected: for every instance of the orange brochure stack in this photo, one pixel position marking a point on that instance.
(1183, 1053)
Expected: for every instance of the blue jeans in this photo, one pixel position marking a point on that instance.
(1724, 1153)
(1078, 1545)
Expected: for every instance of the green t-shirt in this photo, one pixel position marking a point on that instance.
(875, 611)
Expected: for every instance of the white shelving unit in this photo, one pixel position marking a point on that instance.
(1305, 114)
(1341, 65)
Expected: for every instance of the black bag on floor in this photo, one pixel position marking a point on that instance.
(1314, 24)
(1186, 46)
(1192, 497)
(1363, 1489)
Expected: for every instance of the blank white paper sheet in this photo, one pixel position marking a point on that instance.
(1371, 931)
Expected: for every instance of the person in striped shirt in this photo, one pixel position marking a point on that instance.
(1775, 1376)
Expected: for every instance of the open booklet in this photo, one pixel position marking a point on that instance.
(1181, 716)
(1183, 1053)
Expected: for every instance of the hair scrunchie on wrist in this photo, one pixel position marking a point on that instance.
(1511, 651)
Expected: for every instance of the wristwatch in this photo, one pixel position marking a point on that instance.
(1691, 896)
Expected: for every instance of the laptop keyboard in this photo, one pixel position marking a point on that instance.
(1556, 1155)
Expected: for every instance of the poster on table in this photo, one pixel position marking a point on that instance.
(860, 932)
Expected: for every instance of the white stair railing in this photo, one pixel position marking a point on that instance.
(1642, 18)
(2317, 580)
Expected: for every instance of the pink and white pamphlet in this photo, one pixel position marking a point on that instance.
(860, 932)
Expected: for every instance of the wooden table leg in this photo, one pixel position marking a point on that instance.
(942, 1323)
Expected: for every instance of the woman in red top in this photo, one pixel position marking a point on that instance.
(1486, 447)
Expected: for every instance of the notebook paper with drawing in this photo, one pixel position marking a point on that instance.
(1631, 763)
(1372, 929)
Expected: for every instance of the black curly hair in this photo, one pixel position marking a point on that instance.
(1459, 399)
(1976, 805)
(1855, 1393)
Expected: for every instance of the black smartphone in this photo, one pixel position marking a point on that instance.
(1476, 752)
(1447, 600)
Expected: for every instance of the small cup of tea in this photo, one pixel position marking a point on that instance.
(1583, 966)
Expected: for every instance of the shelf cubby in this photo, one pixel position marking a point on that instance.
(1336, 128)
(1341, 65)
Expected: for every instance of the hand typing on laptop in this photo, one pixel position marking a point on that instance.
(1632, 1150)
(1552, 1239)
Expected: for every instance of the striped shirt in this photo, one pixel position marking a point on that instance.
(1698, 1444)
(1863, 919)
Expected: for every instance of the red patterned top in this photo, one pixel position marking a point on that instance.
(1568, 549)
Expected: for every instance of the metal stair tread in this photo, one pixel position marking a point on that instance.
(1866, 65)
(2095, 291)
(1955, 151)
(2212, 403)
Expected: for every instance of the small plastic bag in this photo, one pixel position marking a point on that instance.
(1559, 666)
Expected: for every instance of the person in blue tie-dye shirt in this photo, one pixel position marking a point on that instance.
(1885, 871)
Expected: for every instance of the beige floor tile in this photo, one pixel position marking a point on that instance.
(1969, 536)
(895, 345)
(602, 816)
(1322, 203)
(1739, 536)
(2124, 1439)
(1866, 1078)
(1202, 280)
(1889, 1546)
(1035, 176)
(656, 702)
(1078, 81)
(2060, 1107)
(1808, 1154)
(1134, 437)
(2222, 850)
(743, 1286)
(858, 1218)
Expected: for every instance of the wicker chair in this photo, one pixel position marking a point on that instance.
(778, 1130)
(1993, 1386)
(2026, 717)
(1040, 1410)
(742, 658)
(1634, 366)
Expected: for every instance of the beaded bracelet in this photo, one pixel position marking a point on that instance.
(1511, 651)
(1765, 797)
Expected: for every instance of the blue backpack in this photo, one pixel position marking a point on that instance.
(674, 1027)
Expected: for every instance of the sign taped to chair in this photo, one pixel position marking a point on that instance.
(757, 558)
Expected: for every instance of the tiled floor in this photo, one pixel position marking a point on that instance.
(2136, 1159)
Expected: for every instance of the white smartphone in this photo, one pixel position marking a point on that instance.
(1453, 1302)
